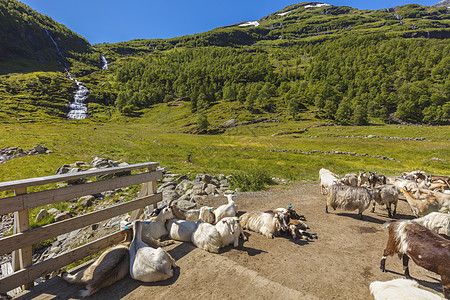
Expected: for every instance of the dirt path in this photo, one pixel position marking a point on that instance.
(340, 264)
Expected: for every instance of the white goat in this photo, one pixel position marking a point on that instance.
(181, 230)
(442, 198)
(264, 223)
(230, 230)
(154, 228)
(400, 289)
(327, 179)
(401, 183)
(226, 210)
(148, 264)
(204, 213)
(350, 179)
(349, 198)
(437, 222)
(386, 194)
(206, 237)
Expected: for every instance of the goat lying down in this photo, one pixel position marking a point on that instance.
(148, 264)
(400, 289)
(267, 224)
(212, 238)
(181, 230)
(110, 267)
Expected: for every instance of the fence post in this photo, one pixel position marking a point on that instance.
(22, 258)
(148, 188)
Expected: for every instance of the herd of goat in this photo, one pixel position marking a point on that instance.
(425, 240)
(209, 229)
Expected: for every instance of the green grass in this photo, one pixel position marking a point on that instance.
(157, 137)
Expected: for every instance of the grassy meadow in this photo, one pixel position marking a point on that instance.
(158, 136)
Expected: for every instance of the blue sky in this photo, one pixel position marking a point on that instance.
(117, 20)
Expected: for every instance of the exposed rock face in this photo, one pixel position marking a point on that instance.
(445, 3)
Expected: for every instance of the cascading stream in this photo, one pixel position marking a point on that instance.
(78, 109)
(105, 63)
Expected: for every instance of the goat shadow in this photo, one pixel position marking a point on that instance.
(241, 247)
(366, 218)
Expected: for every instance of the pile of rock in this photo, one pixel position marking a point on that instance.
(95, 164)
(186, 193)
(7, 153)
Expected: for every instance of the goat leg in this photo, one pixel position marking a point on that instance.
(383, 262)
(326, 208)
(405, 266)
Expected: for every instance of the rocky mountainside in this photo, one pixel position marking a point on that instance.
(444, 3)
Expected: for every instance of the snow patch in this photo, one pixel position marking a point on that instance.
(284, 13)
(317, 5)
(252, 23)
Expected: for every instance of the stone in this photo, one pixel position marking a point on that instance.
(39, 149)
(183, 204)
(43, 213)
(184, 185)
(207, 178)
(63, 170)
(86, 201)
(197, 192)
(62, 216)
(197, 198)
(169, 195)
(53, 211)
(185, 197)
(211, 189)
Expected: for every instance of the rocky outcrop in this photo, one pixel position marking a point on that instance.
(8, 153)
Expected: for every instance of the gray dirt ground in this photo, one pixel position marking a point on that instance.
(340, 264)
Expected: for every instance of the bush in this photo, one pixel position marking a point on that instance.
(252, 180)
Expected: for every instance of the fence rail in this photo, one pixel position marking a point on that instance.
(23, 238)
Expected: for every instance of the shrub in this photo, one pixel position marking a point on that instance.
(252, 180)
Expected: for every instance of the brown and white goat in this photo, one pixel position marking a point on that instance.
(110, 267)
(297, 229)
(425, 247)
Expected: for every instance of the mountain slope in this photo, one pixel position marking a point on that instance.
(27, 41)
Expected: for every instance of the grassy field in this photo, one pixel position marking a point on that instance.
(157, 136)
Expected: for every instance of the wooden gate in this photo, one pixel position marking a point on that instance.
(21, 242)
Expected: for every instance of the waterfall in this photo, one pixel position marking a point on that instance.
(105, 63)
(78, 109)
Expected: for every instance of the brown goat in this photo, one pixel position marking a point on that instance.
(426, 248)
(110, 267)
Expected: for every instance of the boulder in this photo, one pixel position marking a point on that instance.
(211, 189)
(86, 201)
(169, 195)
(184, 185)
(43, 213)
(183, 204)
(62, 216)
(63, 170)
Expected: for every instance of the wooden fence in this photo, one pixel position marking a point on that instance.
(21, 242)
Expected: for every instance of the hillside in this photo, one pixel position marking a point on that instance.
(336, 63)
(27, 42)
